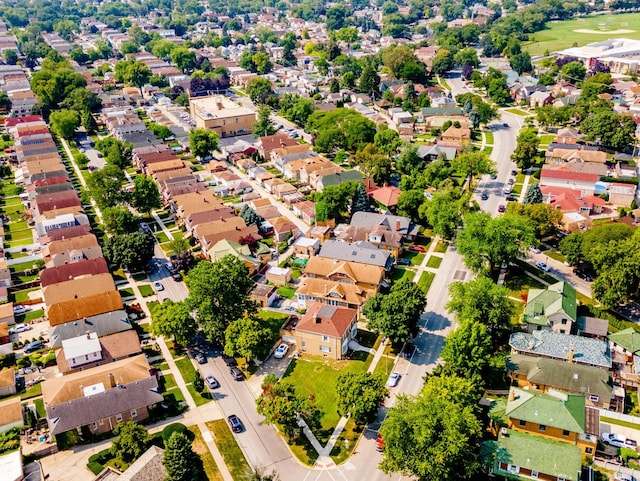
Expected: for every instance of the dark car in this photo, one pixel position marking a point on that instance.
(505, 125)
(404, 262)
(511, 198)
(236, 373)
(201, 358)
(229, 361)
(484, 196)
(235, 423)
(176, 277)
(33, 346)
(514, 172)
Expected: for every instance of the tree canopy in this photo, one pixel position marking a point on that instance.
(340, 129)
(181, 461)
(360, 395)
(131, 441)
(131, 251)
(145, 196)
(173, 320)
(203, 142)
(247, 338)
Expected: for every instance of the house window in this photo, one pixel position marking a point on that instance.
(86, 357)
(134, 413)
(564, 322)
(94, 426)
(118, 418)
(523, 423)
(560, 478)
(565, 432)
(542, 428)
(513, 469)
(101, 422)
(563, 331)
(325, 338)
(589, 450)
(325, 349)
(534, 474)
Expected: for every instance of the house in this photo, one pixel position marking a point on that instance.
(563, 177)
(324, 330)
(551, 308)
(222, 115)
(560, 156)
(544, 374)
(102, 324)
(194, 202)
(430, 153)
(361, 252)
(283, 229)
(566, 135)
(518, 455)
(264, 294)
(385, 231)
(77, 288)
(6, 314)
(306, 247)
(148, 467)
(625, 345)
(564, 347)
(7, 382)
(456, 134)
(101, 397)
(568, 200)
(63, 251)
(90, 350)
(592, 327)
(386, 196)
(337, 179)
(11, 466)
(225, 247)
(10, 414)
(554, 415)
(82, 307)
(622, 194)
(305, 210)
(540, 98)
(269, 143)
(278, 276)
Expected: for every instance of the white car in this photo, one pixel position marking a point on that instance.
(393, 380)
(19, 328)
(616, 440)
(535, 250)
(620, 476)
(281, 351)
(543, 266)
(159, 287)
(21, 309)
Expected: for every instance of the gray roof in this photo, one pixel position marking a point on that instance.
(593, 326)
(85, 410)
(49, 175)
(392, 222)
(564, 376)
(427, 111)
(102, 324)
(362, 252)
(554, 345)
(425, 150)
(49, 189)
(340, 177)
(141, 139)
(147, 467)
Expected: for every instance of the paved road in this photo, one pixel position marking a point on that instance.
(174, 290)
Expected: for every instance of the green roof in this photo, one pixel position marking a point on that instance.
(340, 177)
(539, 454)
(225, 247)
(560, 410)
(426, 111)
(556, 298)
(628, 339)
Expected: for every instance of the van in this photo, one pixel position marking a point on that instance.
(33, 346)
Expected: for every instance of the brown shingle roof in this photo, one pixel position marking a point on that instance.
(114, 347)
(78, 288)
(84, 307)
(271, 142)
(326, 268)
(63, 245)
(10, 411)
(85, 267)
(65, 233)
(7, 377)
(326, 320)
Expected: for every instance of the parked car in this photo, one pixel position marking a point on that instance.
(505, 125)
(502, 208)
(511, 181)
(176, 277)
(404, 262)
(19, 328)
(507, 190)
(212, 382)
(616, 440)
(281, 351)
(543, 266)
(494, 176)
(511, 198)
(535, 250)
(201, 358)
(158, 285)
(393, 380)
(236, 373)
(235, 423)
(631, 443)
(229, 361)
(21, 309)
(33, 346)
(514, 172)
(417, 248)
(484, 196)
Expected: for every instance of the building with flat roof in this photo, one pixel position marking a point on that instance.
(223, 115)
(621, 55)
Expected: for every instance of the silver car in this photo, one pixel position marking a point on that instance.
(393, 380)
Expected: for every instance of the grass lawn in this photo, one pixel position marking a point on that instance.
(556, 255)
(200, 447)
(426, 278)
(318, 378)
(434, 262)
(441, 247)
(516, 189)
(444, 83)
(520, 178)
(350, 433)
(162, 237)
(619, 423)
(560, 35)
(231, 452)
(39, 403)
(168, 381)
(488, 150)
(416, 258)
(488, 135)
(119, 275)
(33, 391)
(286, 292)
(30, 316)
(128, 292)
(186, 369)
(546, 139)
(19, 234)
(21, 296)
(175, 393)
(146, 290)
(200, 398)
(519, 112)
(22, 266)
(402, 273)
(384, 367)
(140, 277)
(519, 283)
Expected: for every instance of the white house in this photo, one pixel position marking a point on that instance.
(82, 350)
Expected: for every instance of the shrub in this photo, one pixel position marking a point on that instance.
(173, 428)
(95, 468)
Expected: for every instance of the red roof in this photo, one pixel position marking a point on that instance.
(387, 195)
(63, 273)
(326, 320)
(13, 121)
(568, 174)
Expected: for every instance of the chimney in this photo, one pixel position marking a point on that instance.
(112, 380)
(512, 395)
(571, 353)
(316, 319)
(397, 225)
(86, 321)
(88, 335)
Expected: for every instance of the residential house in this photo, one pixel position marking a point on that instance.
(386, 231)
(225, 247)
(568, 200)
(283, 229)
(194, 202)
(306, 247)
(82, 307)
(222, 115)
(430, 153)
(6, 314)
(622, 194)
(592, 327)
(553, 307)
(564, 347)
(197, 218)
(279, 276)
(625, 346)
(337, 179)
(101, 397)
(544, 374)
(233, 229)
(78, 287)
(269, 143)
(567, 135)
(148, 467)
(90, 350)
(456, 134)
(361, 251)
(63, 251)
(386, 196)
(561, 156)
(563, 177)
(338, 283)
(324, 330)
(541, 98)
(264, 294)
(64, 233)
(7, 382)
(305, 210)
(10, 414)
(102, 324)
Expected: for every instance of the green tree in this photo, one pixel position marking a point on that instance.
(573, 71)
(250, 216)
(473, 164)
(442, 62)
(497, 91)
(333, 201)
(246, 338)
(340, 129)
(467, 351)
(526, 151)
(387, 140)
(5, 102)
(396, 314)
(521, 62)
(408, 160)
(132, 72)
(359, 395)
(486, 242)
(396, 57)
(533, 195)
(178, 246)
(64, 123)
(361, 201)
(145, 196)
(181, 461)
(105, 186)
(374, 163)
(409, 203)
(258, 89)
(279, 404)
(262, 62)
(481, 300)
(545, 218)
(203, 142)
(173, 320)
(131, 441)
(219, 294)
(444, 211)
(431, 437)
(467, 56)
(369, 81)
(610, 129)
(198, 383)
(11, 57)
(183, 58)
(161, 131)
(571, 248)
(263, 125)
(119, 220)
(88, 122)
(130, 251)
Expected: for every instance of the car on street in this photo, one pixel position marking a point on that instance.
(21, 309)
(176, 277)
(281, 351)
(502, 208)
(535, 250)
(212, 382)
(19, 328)
(32, 346)
(158, 286)
(510, 198)
(229, 361)
(236, 373)
(620, 476)
(511, 181)
(505, 125)
(494, 176)
(615, 440)
(201, 358)
(631, 443)
(393, 380)
(235, 423)
(417, 248)
(507, 190)
(543, 266)
(484, 196)
(514, 172)
(379, 443)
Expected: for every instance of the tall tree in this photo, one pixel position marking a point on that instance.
(263, 125)
(360, 395)
(361, 201)
(467, 351)
(369, 81)
(173, 320)
(203, 142)
(473, 164)
(130, 251)
(545, 218)
(219, 293)
(533, 195)
(181, 461)
(258, 89)
(409, 203)
(250, 216)
(105, 186)
(119, 220)
(131, 441)
(145, 196)
(64, 123)
(396, 314)
(444, 211)
(244, 338)
(526, 151)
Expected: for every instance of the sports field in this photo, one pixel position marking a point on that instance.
(560, 35)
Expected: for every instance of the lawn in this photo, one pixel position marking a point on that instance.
(140, 277)
(441, 247)
(556, 255)
(186, 369)
(231, 452)
(546, 139)
(519, 112)
(350, 434)
(286, 292)
(401, 273)
(384, 367)
(426, 278)
(128, 292)
(30, 316)
(200, 398)
(519, 283)
(146, 290)
(21, 296)
(39, 403)
(175, 393)
(488, 135)
(317, 378)
(200, 447)
(167, 381)
(273, 320)
(434, 262)
(162, 237)
(416, 258)
(560, 35)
